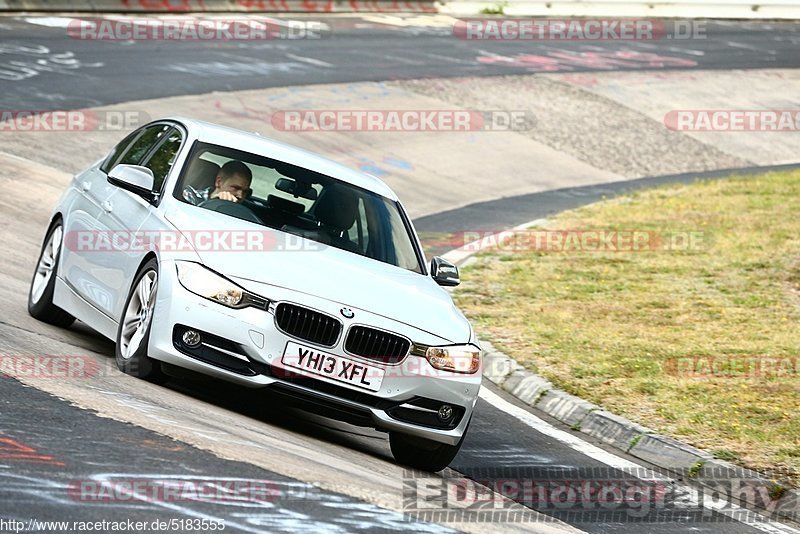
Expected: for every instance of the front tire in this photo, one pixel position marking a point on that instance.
(423, 453)
(43, 284)
(133, 334)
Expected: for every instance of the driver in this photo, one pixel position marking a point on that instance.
(232, 183)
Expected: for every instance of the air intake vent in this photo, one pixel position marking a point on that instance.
(306, 324)
(376, 344)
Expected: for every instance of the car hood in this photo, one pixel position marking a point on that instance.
(332, 274)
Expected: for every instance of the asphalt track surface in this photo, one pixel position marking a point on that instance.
(49, 447)
(44, 68)
(87, 468)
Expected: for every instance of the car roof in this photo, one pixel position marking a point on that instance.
(252, 142)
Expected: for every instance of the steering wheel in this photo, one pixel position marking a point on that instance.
(234, 209)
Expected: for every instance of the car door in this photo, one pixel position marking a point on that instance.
(87, 265)
(135, 216)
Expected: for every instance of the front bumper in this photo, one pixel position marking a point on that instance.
(246, 347)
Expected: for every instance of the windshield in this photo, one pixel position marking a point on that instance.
(298, 201)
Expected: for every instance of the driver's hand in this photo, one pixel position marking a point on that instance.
(225, 195)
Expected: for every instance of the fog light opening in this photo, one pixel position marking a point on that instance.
(191, 338)
(445, 413)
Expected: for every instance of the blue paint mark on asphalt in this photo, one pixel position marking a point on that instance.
(399, 163)
(377, 171)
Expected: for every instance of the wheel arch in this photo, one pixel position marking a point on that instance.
(57, 216)
(147, 257)
(55, 219)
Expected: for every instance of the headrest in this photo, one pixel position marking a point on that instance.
(336, 207)
(201, 174)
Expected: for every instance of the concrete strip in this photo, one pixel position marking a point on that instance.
(603, 132)
(612, 429)
(527, 388)
(667, 452)
(714, 469)
(569, 409)
(661, 95)
(497, 367)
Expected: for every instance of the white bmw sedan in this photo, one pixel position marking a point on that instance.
(196, 246)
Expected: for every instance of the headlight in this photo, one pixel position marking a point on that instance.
(208, 284)
(458, 358)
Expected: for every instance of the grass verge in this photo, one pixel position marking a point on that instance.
(694, 334)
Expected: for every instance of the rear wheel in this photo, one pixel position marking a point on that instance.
(133, 334)
(423, 453)
(43, 285)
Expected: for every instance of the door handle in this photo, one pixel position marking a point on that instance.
(86, 185)
(108, 207)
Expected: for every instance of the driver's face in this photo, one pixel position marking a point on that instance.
(237, 185)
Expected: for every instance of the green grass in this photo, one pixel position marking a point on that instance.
(695, 469)
(667, 337)
(496, 9)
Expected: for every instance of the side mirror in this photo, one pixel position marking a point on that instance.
(444, 273)
(138, 180)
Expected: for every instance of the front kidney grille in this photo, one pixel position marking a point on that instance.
(308, 325)
(376, 344)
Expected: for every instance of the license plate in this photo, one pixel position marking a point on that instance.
(315, 362)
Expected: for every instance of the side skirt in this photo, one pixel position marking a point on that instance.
(65, 298)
